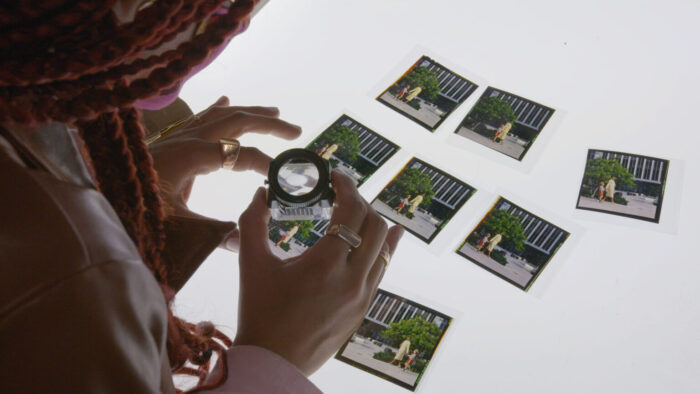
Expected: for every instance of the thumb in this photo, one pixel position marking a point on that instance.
(254, 243)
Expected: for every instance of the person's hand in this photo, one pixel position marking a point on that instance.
(195, 149)
(306, 307)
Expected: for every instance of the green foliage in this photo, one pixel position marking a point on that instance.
(619, 199)
(386, 356)
(285, 246)
(600, 170)
(426, 79)
(411, 182)
(492, 110)
(348, 143)
(305, 227)
(500, 221)
(424, 335)
(499, 257)
(274, 234)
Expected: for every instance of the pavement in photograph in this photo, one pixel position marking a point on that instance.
(362, 353)
(511, 271)
(294, 250)
(421, 222)
(426, 116)
(509, 147)
(637, 206)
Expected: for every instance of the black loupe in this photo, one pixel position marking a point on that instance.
(299, 186)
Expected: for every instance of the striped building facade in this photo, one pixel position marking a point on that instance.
(387, 308)
(373, 148)
(539, 234)
(528, 113)
(452, 86)
(448, 191)
(643, 169)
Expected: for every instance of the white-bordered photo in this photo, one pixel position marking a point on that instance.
(397, 339)
(505, 122)
(513, 243)
(623, 184)
(353, 148)
(427, 93)
(422, 199)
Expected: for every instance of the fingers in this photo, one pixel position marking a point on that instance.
(204, 157)
(240, 122)
(379, 266)
(373, 233)
(349, 209)
(221, 108)
(253, 233)
(252, 159)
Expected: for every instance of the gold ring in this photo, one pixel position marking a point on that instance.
(229, 153)
(386, 257)
(345, 233)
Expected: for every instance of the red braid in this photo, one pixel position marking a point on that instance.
(82, 80)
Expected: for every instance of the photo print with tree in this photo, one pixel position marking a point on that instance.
(397, 339)
(353, 148)
(623, 184)
(513, 243)
(427, 93)
(422, 199)
(504, 122)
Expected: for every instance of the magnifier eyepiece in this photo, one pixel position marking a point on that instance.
(299, 186)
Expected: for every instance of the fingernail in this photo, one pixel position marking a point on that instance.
(401, 231)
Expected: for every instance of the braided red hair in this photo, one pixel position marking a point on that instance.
(70, 61)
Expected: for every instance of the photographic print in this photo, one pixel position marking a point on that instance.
(505, 122)
(623, 184)
(397, 339)
(353, 148)
(427, 93)
(422, 199)
(291, 238)
(513, 243)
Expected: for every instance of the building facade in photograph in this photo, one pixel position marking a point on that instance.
(373, 148)
(452, 87)
(528, 113)
(648, 173)
(448, 191)
(388, 308)
(540, 235)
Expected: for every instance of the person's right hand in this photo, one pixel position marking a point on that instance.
(306, 307)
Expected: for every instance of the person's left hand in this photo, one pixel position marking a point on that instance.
(195, 149)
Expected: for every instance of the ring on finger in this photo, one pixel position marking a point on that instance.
(230, 149)
(345, 233)
(386, 256)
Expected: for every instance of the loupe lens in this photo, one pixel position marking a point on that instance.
(298, 177)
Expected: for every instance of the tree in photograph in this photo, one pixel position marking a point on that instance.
(349, 144)
(491, 110)
(411, 182)
(424, 334)
(600, 170)
(305, 226)
(426, 79)
(500, 221)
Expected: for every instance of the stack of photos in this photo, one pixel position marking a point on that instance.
(353, 148)
(427, 93)
(623, 184)
(505, 122)
(350, 147)
(422, 199)
(512, 243)
(396, 340)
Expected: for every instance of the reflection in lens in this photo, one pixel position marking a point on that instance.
(298, 177)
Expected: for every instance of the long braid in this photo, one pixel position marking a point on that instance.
(92, 91)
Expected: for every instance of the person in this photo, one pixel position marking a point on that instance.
(330, 151)
(96, 235)
(610, 190)
(321, 150)
(413, 93)
(411, 360)
(404, 348)
(601, 191)
(402, 92)
(415, 202)
(502, 132)
(288, 236)
(483, 241)
(403, 203)
(493, 242)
